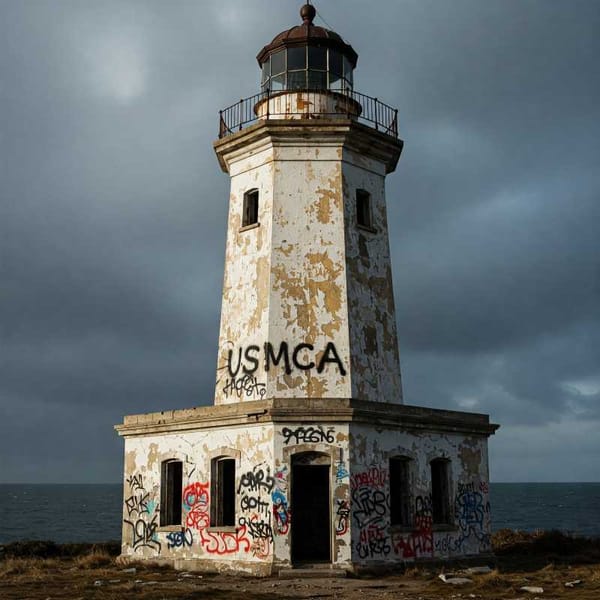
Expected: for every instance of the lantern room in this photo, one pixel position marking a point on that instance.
(307, 57)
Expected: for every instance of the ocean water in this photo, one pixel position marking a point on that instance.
(92, 513)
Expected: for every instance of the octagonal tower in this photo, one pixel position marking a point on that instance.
(308, 306)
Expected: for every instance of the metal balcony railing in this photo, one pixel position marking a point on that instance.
(351, 104)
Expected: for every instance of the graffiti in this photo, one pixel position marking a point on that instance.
(178, 539)
(281, 511)
(369, 506)
(257, 528)
(341, 517)
(373, 542)
(248, 503)
(484, 487)
(248, 359)
(136, 483)
(374, 477)
(419, 542)
(256, 480)
(471, 514)
(144, 534)
(308, 435)
(340, 472)
(137, 504)
(225, 542)
(139, 507)
(196, 503)
(247, 385)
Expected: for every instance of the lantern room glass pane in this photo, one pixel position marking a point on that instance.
(266, 71)
(317, 80)
(317, 58)
(278, 83)
(278, 63)
(347, 69)
(296, 58)
(336, 64)
(296, 80)
(335, 82)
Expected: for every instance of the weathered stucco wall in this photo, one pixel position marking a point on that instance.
(143, 536)
(358, 530)
(374, 539)
(371, 313)
(308, 307)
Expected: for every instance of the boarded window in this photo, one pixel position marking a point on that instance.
(363, 209)
(400, 492)
(440, 491)
(170, 492)
(222, 492)
(250, 210)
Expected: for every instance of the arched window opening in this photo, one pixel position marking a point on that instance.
(400, 491)
(440, 491)
(222, 484)
(170, 492)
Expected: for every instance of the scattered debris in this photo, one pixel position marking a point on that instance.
(478, 570)
(451, 579)
(532, 589)
(571, 584)
(98, 582)
(131, 570)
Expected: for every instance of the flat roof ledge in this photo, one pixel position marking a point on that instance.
(325, 410)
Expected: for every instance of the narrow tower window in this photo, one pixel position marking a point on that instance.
(222, 513)
(250, 209)
(440, 491)
(400, 496)
(363, 209)
(170, 492)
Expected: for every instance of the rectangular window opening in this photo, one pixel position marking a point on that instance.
(250, 209)
(223, 492)
(440, 491)
(363, 209)
(400, 492)
(170, 492)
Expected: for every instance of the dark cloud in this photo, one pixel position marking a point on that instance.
(113, 213)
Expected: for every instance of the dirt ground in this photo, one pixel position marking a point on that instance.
(45, 579)
(545, 561)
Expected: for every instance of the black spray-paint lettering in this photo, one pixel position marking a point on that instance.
(248, 359)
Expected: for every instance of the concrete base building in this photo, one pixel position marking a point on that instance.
(308, 455)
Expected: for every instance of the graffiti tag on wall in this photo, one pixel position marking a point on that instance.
(142, 516)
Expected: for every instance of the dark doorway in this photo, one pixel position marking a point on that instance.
(310, 513)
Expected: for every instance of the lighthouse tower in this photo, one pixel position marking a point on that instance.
(308, 306)
(308, 455)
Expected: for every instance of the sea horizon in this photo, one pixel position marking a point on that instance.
(93, 512)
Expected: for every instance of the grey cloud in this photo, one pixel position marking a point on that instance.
(113, 213)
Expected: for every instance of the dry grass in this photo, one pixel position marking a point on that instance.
(539, 559)
(94, 560)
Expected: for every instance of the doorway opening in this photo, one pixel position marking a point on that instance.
(310, 504)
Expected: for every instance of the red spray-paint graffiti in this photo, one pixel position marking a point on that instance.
(196, 502)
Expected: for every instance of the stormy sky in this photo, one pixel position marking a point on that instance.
(113, 215)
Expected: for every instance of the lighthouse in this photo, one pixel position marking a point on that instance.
(308, 456)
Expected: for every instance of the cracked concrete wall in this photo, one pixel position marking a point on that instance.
(246, 282)
(468, 531)
(371, 313)
(144, 536)
(308, 308)
(359, 530)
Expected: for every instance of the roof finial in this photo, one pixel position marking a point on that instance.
(308, 13)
